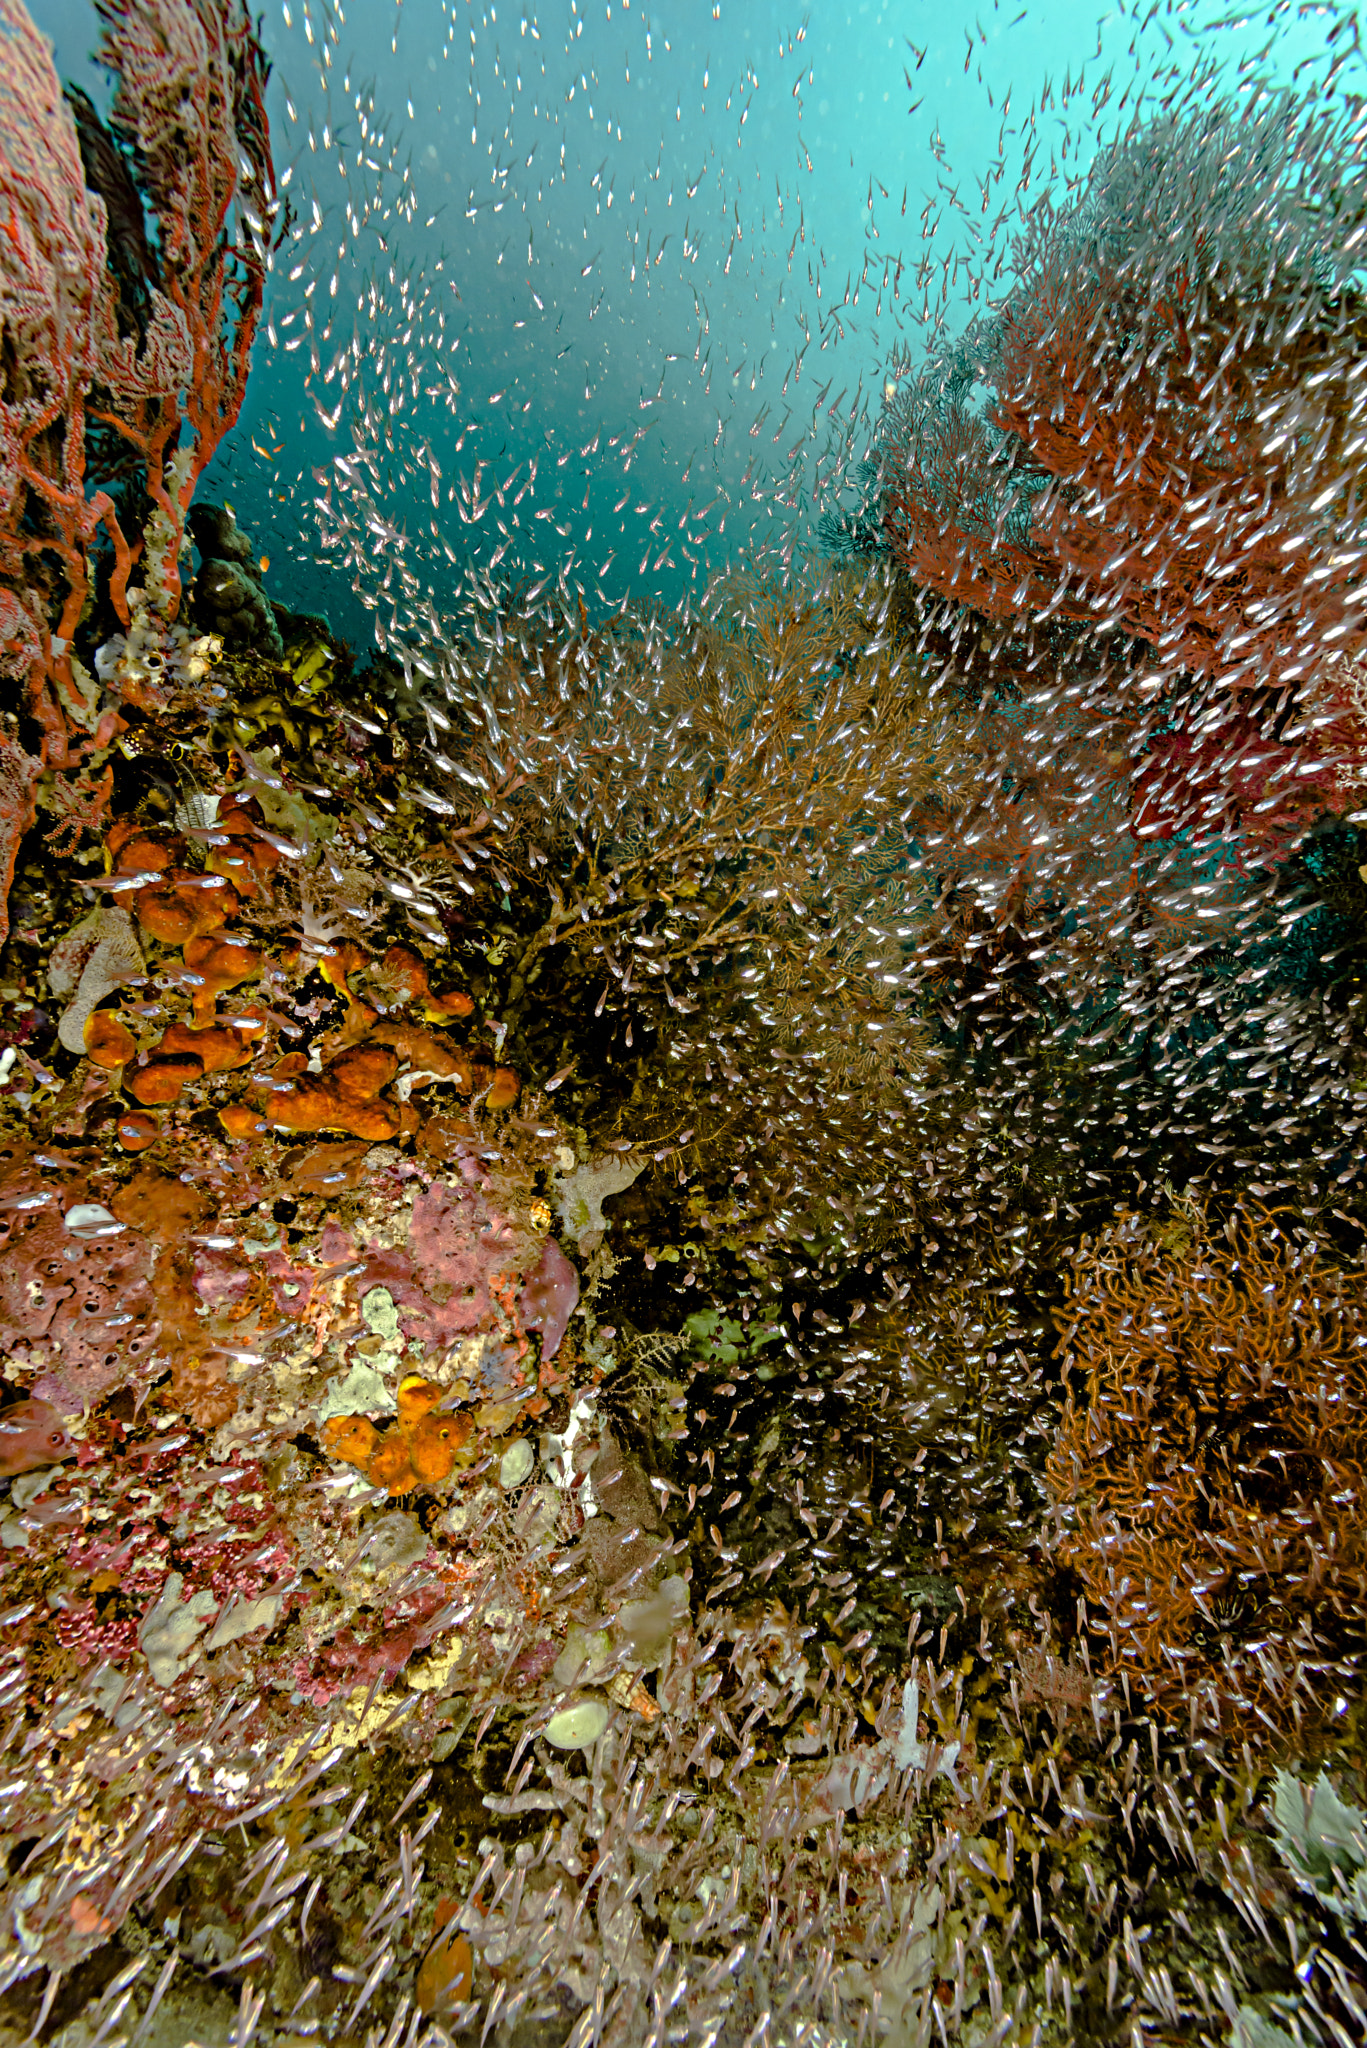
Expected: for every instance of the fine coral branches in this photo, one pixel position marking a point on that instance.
(19, 772)
(1211, 1461)
(702, 821)
(707, 794)
(846, 987)
(1149, 450)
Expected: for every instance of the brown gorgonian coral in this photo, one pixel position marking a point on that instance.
(1209, 1471)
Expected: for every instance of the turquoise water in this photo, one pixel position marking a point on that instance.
(667, 255)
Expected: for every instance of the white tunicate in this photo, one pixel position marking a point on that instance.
(397, 1539)
(169, 1630)
(380, 1315)
(579, 1725)
(108, 656)
(556, 1449)
(650, 1625)
(585, 1653)
(109, 1690)
(516, 1463)
(92, 1219)
(30, 1486)
(908, 1751)
(1323, 1841)
(579, 1197)
(362, 1392)
(96, 956)
(243, 1618)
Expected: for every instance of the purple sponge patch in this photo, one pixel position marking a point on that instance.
(550, 1296)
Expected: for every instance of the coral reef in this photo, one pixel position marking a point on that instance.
(681, 1315)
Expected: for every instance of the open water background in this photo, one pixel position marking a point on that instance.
(665, 253)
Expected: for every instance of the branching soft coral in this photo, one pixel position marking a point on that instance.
(1211, 1467)
(101, 333)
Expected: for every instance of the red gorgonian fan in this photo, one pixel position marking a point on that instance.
(57, 331)
(189, 126)
(1170, 445)
(189, 108)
